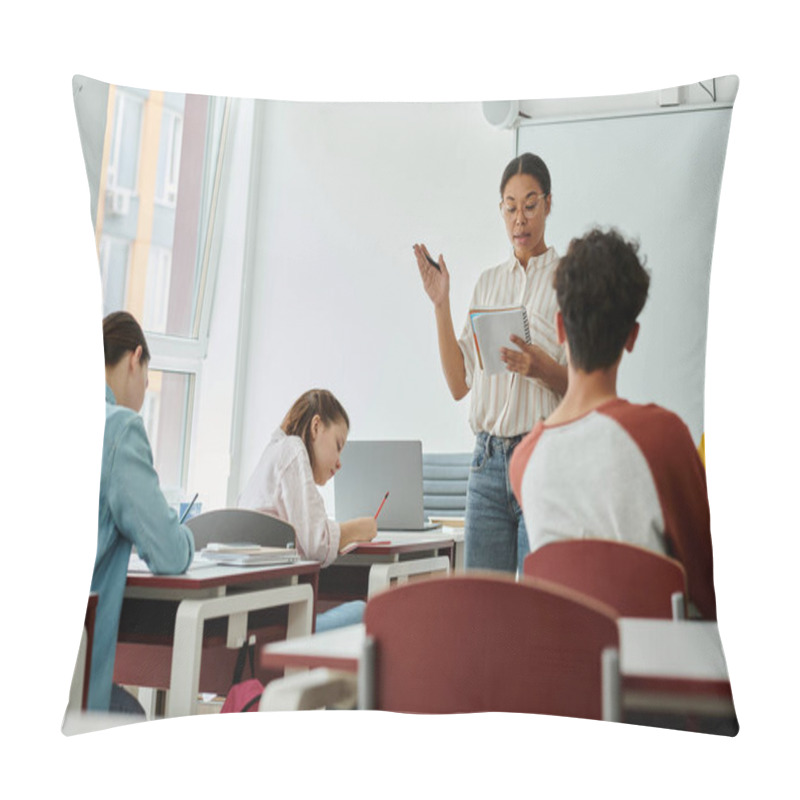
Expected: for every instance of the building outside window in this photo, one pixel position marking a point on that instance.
(159, 188)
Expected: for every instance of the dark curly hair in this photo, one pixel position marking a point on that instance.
(601, 287)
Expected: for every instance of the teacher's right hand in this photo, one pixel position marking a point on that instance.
(436, 282)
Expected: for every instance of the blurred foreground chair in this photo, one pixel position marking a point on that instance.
(481, 642)
(634, 581)
(79, 688)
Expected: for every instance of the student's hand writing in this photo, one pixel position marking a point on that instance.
(529, 360)
(360, 529)
(435, 281)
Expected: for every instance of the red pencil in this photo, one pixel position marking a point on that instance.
(381, 505)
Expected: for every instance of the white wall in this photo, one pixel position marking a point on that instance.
(655, 177)
(336, 300)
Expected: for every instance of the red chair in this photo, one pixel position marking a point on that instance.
(88, 624)
(488, 643)
(636, 582)
(79, 687)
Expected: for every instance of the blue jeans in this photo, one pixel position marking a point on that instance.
(494, 529)
(350, 613)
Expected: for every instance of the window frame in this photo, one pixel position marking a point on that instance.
(186, 354)
(113, 188)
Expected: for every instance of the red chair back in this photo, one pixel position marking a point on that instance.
(488, 643)
(633, 580)
(88, 624)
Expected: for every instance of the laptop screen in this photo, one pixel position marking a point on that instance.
(372, 468)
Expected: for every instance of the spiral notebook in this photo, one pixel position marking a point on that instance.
(492, 329)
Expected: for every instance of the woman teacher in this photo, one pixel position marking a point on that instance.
(504, 407)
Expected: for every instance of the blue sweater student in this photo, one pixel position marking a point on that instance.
(133, 510)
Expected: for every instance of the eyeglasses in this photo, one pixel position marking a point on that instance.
(529, 209)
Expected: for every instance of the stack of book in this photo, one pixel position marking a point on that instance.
(248, 555)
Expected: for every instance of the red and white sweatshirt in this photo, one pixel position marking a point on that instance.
(626, 472)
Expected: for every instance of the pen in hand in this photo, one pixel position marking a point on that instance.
(188, 508)
(381, 505)
(433, 263)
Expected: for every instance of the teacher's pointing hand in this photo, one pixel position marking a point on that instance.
(435, 280)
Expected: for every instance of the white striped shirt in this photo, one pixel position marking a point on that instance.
(510, 404)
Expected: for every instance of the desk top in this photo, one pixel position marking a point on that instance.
(206, 577)
(439, 532)
(395, 542)
(675, 650)
(651, 649)
(337, 649)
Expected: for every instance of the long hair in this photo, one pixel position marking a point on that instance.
(527, 164)
(315, 401)
(122, 334)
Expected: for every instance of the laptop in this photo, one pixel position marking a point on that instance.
(372, 468)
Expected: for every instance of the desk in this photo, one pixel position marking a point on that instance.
(665, 665)
(76, 721)
(371, 568)
(210, 592)
(457, 535)
(338, 649)
(674, 666)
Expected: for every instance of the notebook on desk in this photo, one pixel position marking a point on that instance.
(372, 468)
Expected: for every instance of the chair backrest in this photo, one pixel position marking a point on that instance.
(636, 582)
(79, 688)
(228, 525)
(88, 625)
(444, 483)
(485, 642)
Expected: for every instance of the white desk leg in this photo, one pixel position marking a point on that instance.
(381, 575)
(612, 700)
(187, 644)
(678, 606)
(458, 549)
(319, 688)
(300, 620)
(75, 701)
(366, 676)
(148, 699)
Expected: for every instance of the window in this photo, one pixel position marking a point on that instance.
(114, 263)
(167, 414)
(169, 157)
(155, 230)
(122, 175)
(156, 296)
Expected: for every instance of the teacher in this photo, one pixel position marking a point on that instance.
(504, 407)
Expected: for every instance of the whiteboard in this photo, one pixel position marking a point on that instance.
(657, 179)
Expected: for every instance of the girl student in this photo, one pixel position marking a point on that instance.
(302, 454)
(133, 510)
(503, 407)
